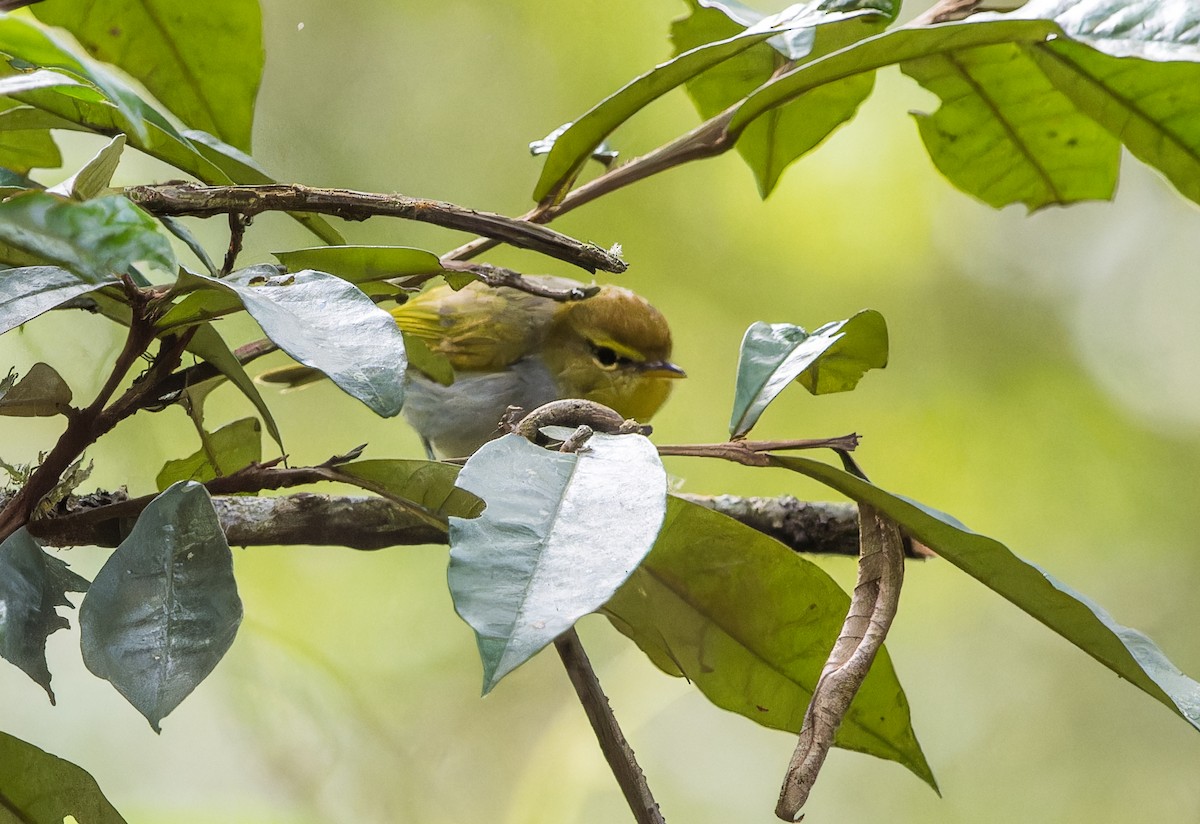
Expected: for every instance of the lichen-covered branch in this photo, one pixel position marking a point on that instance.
(368, 522)
(182, 199)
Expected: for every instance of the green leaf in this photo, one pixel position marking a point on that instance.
(94, 177)
(25, 149)
(208, 345)
(429, 484)
(1150, 105)
(223, 452)
(29, 291)
(164, 608)
(40, 788)
(775, 140)
(360, 264)
(1006, 134)
(831, 359)
(1125, 651)
(95, 240)
(1147, 29)
(34, 46)
(32, 585)
(891, 47)
(42, 393)
(577, 141)
(560, 533)
(750, 623)
(202, 60)
(328, 324)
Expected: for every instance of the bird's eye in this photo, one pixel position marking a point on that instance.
(605, 356)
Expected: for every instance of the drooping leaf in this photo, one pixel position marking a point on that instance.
(30, 291)
(785, 134)
(95, 175)
(223, 452)
(430, 484)
(326, 323)
(42, 393)
(831, 359)
(575, 143)
(1005, 134)
(560, 533)
(1125, 651)
(750, 623)
(360, 264)
(202, 60)
(164, 608)
(95, 240)
(208, 345)
(32, 585)
(888, 48)
(40, 788)
(1135, 69)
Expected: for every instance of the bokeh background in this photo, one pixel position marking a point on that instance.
(1044, 387)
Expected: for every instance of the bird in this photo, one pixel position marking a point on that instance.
(475, 351)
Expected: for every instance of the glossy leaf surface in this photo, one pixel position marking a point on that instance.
(831, 359)
(29, 291)
(164, 608)
(560, 533)
(328, 324)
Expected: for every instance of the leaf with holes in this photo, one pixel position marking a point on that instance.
(560, 533)
(32, 585)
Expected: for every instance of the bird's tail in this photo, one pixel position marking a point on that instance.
(292, 376)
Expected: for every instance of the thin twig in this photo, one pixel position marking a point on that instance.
(177, 199)
(616, 749)
(237, 232)
(497, 277)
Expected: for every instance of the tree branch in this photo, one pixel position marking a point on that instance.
(369, 523)
(176, 199)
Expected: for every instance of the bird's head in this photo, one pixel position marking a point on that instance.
(613, 348)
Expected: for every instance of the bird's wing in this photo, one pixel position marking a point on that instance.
(477, 328)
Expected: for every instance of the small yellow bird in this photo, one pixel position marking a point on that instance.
(511, 348)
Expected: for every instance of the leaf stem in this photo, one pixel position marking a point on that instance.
(616, 749)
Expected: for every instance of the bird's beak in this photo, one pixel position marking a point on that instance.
(661, 369)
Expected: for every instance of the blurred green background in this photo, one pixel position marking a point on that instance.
(1044, 387)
